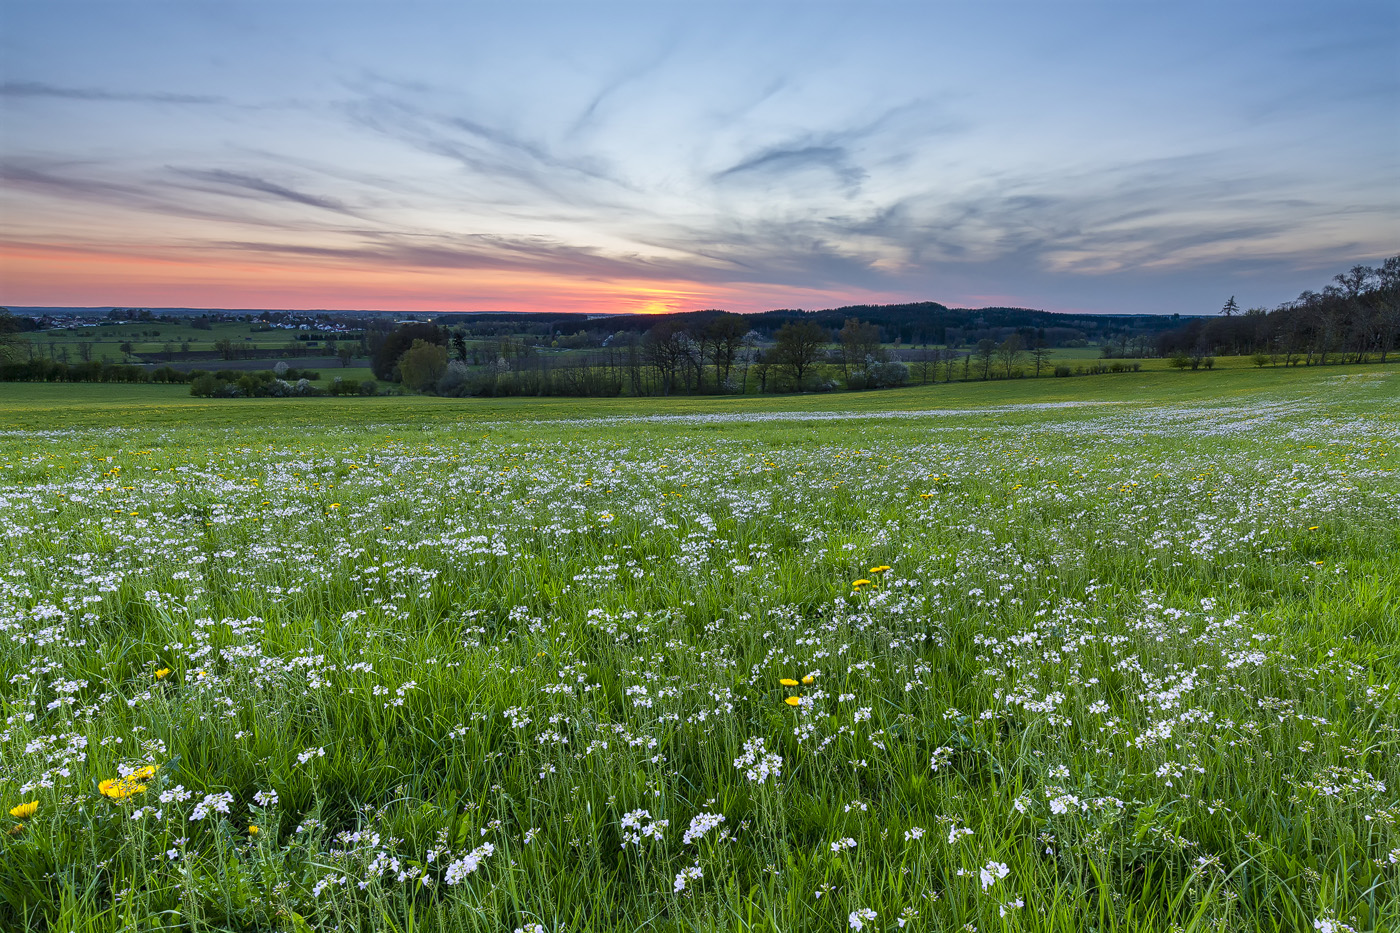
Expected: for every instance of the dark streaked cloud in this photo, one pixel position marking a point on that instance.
(39, 89)
(239, 184)
(761, 168)
(97, 185)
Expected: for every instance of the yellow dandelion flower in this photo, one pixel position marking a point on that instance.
(124, 787)
(162, 673)
(1314, 528)
(880, 569)
(793, 701)
(859, 583)
(788, 682)
(24, 810)
(809, 679)
(120, 788)
(252, 830)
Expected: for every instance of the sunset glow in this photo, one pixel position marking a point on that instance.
(677, 157)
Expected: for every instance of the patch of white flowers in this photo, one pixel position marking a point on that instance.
(757, 763)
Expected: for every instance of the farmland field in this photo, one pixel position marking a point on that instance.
(1110, 653)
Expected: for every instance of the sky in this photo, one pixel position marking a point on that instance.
(1118, 157)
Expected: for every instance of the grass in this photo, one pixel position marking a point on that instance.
(486, 664)
(27, 405)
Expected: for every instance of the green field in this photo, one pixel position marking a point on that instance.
(154, 338)
(1111, 653)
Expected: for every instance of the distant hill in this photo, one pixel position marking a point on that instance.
(923, 322)
(913, 323)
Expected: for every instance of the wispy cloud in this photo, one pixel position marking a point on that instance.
(242, 185)
(39, 89)
(762, 167)
(516, 168)
(96, 184)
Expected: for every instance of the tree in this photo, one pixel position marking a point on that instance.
(225, 347)
(459, 346)
(666, 348)
(11, 343)
(746, 354)
(859, 342)
(1230, 309)
(724, 338)
(1387, 305)
(1009, 353)
(927, 358)
(127, 349)
(345, 353)
(986, 350)
(1040, 353)
(763, 362)
(799, 346)
(422, 365)
(389, 347)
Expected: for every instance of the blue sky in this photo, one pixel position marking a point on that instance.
(1116, 157)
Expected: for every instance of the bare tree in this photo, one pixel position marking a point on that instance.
(1040, 353)
(1386, 306)
(1009, 353)
(746, 355)
(666, 348)
(723, 339)
(800, 346)
(986, 350)
(763, 363)
(859, 341)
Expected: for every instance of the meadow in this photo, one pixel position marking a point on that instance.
(1109, 653)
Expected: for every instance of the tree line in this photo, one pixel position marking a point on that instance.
(1353, 319)
(716, 354)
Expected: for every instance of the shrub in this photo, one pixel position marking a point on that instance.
(1062, 370)
(204, 385)
(455, 380)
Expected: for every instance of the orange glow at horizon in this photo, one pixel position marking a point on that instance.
(73, 276)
